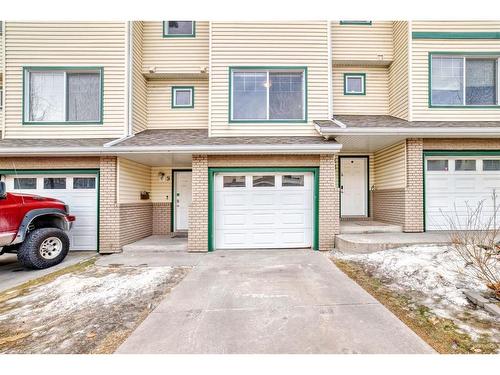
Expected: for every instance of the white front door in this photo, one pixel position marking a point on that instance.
(263, 210)
(182, 199)
(354, 186)
(78, 191)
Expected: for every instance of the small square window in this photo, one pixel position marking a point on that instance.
(84, 183)
(182, 97)
(354, 84)
(292, 180)
(54, 183)
(437, 165)
(491, 165)
(25, 183)
(263, 181)
(234, 181)
(465, 165)
(173, 29)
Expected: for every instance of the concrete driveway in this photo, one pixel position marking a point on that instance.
(272, 301)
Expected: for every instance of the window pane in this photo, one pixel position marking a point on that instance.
(292, 180)
(447, 80)
(465, 165)
(480, 87)
(84, 183)
(249, 96)
(24, 183)
(286, 96)
(54, 183)
(182, 97)
(179, 27)
(234, 181)
(46, 96)
(83, 96)
(354, 85)
(491, 165)
(437, 165)
(263, 181)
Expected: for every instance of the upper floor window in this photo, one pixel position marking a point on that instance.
(173, 29)
(262, 94)
(354, 84)
(182, 97)
(356, 22)
(62, 95)
(464, 80)
(1, 97)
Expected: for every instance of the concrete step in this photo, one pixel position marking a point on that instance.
(368, 226)
(157, 243)
(372, 242)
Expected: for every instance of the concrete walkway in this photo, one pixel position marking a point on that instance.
(272, 301)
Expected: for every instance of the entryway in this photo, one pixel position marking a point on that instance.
(353, 171)
(182, 185)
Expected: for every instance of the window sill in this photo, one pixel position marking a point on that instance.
(465, 106)
(268, 121)
(63, 123)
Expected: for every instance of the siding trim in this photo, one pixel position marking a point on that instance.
(100, 69)
(455, 35)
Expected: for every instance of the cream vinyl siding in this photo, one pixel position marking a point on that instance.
(301, 44)
(174, 55)
(420, 69)
(161, 115)
(161, 191)
(390, 167)
(99, 44)
(399, 72)
(139, 84)
(132, 179)
(362, 42)
(376, 100)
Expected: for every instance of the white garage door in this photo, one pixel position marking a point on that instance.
(456, 185)
(263, 210)
(79, 192)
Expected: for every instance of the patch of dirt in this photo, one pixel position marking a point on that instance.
(88, 309)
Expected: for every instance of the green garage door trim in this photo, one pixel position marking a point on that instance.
(450, 153)
(211, 177)
(95, 172)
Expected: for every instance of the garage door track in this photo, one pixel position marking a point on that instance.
(277, 301)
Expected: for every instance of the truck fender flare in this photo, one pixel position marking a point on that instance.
(32, 215)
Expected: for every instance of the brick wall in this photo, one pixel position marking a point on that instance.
(162, 217)
(263, 161)
(136, 222)
(329, 203)
(389, 206)
(109, 218)
(414, 195)
(198, 211)
(462, 144)
(49, 163)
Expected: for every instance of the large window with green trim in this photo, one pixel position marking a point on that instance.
(62, 95)
(463, 80)
(268, 94)
(179, 29)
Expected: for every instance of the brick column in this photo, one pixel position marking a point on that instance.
(329, 201)
(109, 215)
(198, 211)
(414, 194)
(161, 217)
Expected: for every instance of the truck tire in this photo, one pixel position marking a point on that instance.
(43, 248)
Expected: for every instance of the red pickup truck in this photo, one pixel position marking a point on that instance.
(34, 227)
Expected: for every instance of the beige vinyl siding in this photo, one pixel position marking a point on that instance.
(268, 44)
(362, 42)
(161, 191)
(174, 55)
(161, 115)
(390, 167)
(399, 72)
(139, 84)
(132, 179)
(101, 44)
(376, 100)
(420, 69)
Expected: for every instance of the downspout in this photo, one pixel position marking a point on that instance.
(330, 70)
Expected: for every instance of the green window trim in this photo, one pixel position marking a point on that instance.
(99, 69)
(230, 86)
(192, 35)
(174, 89)
(364, 23)
(492, 54)
(454, 35)
(362, 75)
(211, 208)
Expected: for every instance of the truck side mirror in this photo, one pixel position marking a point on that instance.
(3, 190)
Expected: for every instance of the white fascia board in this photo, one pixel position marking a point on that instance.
(422, 132)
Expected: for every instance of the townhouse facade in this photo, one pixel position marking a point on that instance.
(251, 134)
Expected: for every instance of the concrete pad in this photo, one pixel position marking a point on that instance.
(274, 301)
(13, 274)
(150, 259)
(368, 226)
(157, 243)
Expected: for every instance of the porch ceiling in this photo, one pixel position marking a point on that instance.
(160, 160)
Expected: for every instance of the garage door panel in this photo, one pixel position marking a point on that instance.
(260, 218)
(232, 199)
(263, 199)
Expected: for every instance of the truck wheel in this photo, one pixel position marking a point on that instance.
(43, 248)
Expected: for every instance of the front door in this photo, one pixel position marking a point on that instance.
(353, 186)
(182, 199)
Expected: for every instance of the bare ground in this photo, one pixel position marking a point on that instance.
(82, 309)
